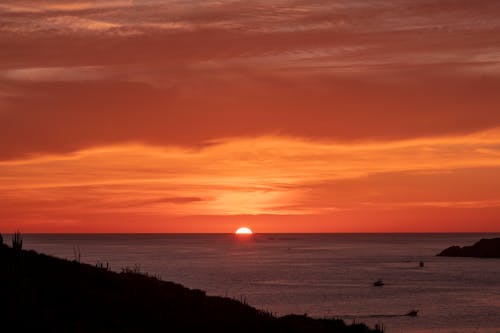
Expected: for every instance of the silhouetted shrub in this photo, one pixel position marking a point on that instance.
(102, 265)
(1, 239)
(132, 270)
(17, 241)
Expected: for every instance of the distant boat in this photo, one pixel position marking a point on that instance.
(378, 283)
(412, 313)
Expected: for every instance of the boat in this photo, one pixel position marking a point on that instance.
(421, 264)
(378, 283)
(412, 313)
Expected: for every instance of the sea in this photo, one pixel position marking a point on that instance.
(321, 275)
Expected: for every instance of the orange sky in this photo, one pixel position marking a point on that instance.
(286, 116)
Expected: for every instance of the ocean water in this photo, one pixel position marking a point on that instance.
(323, 275)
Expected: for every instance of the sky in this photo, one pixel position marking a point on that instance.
(280, 115)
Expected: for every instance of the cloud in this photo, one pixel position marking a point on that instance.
(198, 107)
(53, 74)
(30, 6)
(257, 108)
(101, 73)
(168, 200)
(266, 175)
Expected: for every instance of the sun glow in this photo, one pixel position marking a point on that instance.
(243, 231)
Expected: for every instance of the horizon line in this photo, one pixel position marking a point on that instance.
(255, 233)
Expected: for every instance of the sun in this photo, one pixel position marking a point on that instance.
(243, 231)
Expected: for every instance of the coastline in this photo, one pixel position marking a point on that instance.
(46, 292)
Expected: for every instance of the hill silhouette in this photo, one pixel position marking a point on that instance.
(40, 293)
(485, 248)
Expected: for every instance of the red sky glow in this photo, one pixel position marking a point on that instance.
(280, 115)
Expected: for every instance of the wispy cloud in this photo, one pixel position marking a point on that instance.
(277, 108)
(53, 74)
(268, 175)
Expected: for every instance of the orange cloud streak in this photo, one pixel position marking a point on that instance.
(196, 116)
(256, 176)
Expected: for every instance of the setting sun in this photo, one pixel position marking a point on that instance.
(244, 231)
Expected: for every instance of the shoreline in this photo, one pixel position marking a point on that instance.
(46, 292)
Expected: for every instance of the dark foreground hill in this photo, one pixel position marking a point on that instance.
(485, 248)
(40, 293)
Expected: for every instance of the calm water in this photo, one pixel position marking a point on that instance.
(323, 275)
